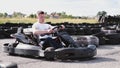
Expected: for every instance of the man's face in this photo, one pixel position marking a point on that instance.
(41, 18)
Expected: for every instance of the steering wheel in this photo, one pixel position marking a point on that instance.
(55, 29)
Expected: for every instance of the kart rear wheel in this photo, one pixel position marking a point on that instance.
(11, 49)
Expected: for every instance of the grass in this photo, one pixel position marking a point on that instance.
(32, 20)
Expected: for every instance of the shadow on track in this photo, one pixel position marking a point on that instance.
(87, 60)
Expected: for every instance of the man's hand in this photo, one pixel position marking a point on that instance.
(50, 31)
(62, 27)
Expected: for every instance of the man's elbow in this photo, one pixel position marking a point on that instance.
(35, 33)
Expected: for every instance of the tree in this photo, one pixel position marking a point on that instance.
(32, 16)
(101, 16)
(5, 15)
(1, 15)
(63, 15)
(18, 14)
(101, 13)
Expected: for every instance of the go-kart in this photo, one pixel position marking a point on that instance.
(109, 35)
(109, 29)
(27, 44)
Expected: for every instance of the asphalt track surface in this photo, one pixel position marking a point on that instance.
(108, 56)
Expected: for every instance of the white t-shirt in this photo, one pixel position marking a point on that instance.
(40, 26)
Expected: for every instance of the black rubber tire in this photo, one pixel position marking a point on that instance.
(102, 41)
(11, 49)
(8, 65)
(49, 53)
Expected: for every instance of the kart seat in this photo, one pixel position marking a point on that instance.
(20, 36)
(29, 34)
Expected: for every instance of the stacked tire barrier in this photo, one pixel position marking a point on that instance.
(73, 29)
(112, 19)
(9, 28)
(109, 19)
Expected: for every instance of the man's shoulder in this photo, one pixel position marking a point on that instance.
(48, 24)
(36, 23)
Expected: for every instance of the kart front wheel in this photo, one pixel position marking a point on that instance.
(49, 53)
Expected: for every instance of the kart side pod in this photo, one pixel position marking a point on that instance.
(73, 53)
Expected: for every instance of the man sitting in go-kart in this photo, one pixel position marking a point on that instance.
(52, 48)
(41, 29)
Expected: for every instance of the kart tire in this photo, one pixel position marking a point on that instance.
(49, 53)
(12, 54)
(11, 49)
(113, 41)
(8, 65)
(102, 41)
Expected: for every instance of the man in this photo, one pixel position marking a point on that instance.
(42, 29)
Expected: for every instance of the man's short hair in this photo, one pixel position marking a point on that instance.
(40, 12)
